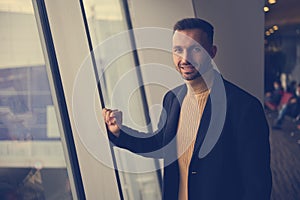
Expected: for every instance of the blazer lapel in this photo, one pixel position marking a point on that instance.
(174, 112)
(213, 119)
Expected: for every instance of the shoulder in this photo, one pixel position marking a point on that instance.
(244, 108)
(176, 92)
(237, 94)
(241, 104)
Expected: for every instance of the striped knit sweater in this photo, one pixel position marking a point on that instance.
(190, 116)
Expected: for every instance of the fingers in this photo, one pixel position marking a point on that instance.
(110, 116)
(113, 120)
(106, 115)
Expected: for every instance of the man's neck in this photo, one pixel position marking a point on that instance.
(200, 84)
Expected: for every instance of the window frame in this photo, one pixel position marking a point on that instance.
(59, 99)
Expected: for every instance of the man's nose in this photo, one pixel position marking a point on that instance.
(186, 57)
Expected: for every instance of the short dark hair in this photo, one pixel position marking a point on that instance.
(195, 23)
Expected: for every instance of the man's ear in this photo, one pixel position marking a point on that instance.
(213, 51)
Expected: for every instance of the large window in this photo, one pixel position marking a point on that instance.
(108, 22)
(32, 162)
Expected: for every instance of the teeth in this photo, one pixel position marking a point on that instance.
(187, 67)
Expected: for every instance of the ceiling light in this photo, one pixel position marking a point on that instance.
(275, 27)
(268, 33)
(271, 30)
(272, 1)
(266, 9)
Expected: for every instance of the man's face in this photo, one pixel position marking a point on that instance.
(276, 85)
(298, 91)
(192, 53)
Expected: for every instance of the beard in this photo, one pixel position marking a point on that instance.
(191, 72)
(190, 77)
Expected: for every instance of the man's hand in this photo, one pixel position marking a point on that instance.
(113, 120)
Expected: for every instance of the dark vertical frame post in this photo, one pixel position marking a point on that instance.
(64, 115)
(100, 94)
(125, 6)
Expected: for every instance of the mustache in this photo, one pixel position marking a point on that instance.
(184, 64)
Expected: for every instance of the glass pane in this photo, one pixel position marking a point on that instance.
(32, 163)
(108, 29)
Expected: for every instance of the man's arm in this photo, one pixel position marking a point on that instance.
(146, 144)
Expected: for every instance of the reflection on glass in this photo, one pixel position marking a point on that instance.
(106, 20)
(32, 163)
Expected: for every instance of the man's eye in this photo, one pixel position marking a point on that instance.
(177, 50)
(197, 49)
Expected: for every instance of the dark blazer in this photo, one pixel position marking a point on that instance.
(238, 165)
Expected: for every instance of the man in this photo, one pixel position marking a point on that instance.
(272, 99)
(292, 109)
(237, 167)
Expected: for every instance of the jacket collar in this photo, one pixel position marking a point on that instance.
(212, 120)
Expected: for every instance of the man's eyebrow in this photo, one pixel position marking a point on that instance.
(196, 45)
(177, 46)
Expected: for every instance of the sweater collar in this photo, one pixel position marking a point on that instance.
(200, 84)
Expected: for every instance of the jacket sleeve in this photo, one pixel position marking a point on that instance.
(253, 150)
(145, 144)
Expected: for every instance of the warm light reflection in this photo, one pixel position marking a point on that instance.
(275, 27)
(271, 30)
(272, 1)
(268, 33)
(266, 9)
